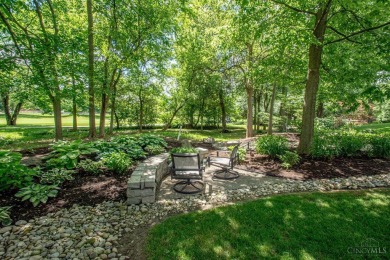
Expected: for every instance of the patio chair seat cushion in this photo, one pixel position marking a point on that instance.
(187, 173)
(220, 160)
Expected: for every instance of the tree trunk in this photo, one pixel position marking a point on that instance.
(74, 113)
(313, 79)
(266, 102)
(14, 116)
(74, 105)
(282, 110)
(117, 121)
(91, 90)
(256, 115)
(141, 114)
(56, 101)
(249, 92)
(249, 117)
(271, 110)
(103, 109)
(113, 99)
(320, 110)
(7, 112)
(258, 102)
(169, 124)
(10, 118)
(223, 110)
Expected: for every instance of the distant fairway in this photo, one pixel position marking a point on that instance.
(37, 119)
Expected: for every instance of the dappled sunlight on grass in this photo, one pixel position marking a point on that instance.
(233, 223)
(269, 204)
(305, 255)
(322, 203)
(302, 226)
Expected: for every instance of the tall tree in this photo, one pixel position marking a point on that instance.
(323, 14)
(91, 85)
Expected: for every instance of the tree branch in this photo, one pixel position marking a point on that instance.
(358, 32)
(342, 34)
(324, 12)
(293, 8)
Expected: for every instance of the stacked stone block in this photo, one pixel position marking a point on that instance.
(146, 178)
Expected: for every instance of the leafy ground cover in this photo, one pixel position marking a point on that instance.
(86, 173)
(300, 226)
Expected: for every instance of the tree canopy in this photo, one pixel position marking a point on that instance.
(196, 63)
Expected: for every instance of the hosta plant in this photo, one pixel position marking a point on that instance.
(289, 159)
(148, 140)
(154, 149)
(67, 154)
(118, 162)
(13, 174)
(37, 193)
(91, 167)
(56, 176)
(5, 218)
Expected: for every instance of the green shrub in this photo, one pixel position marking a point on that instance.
(289, 159)
(66, 155)
(56, 176)
(329, 144)
(184, 150)
(148, 140)
(380, 145)
(349, 144)
(325, 145)
(272, 145)
(13, 174)
(5, 218)
(154, 149)
(91, 167)
(118, 162)
(37, 193)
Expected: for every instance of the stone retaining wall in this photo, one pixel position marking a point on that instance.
(144, 181)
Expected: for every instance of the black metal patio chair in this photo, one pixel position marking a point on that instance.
(188, 167)
(226, 163)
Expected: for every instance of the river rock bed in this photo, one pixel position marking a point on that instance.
(85, 232)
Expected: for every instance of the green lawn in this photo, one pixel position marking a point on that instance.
(36, 119)
(300, 226)
(36, 130)
(379, 128)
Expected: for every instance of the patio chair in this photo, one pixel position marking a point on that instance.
(187, 166)
(226, 163)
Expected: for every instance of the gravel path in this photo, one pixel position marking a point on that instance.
(84, 232)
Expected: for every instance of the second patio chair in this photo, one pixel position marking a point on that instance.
(226, 163)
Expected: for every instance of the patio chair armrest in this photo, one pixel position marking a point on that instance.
(226, 152)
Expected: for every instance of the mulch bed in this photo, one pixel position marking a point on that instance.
(310, 168)
(92, 190)
(83, 190)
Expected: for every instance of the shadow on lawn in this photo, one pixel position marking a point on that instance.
(305, 226)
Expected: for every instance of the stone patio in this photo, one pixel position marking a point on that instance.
(246, 180)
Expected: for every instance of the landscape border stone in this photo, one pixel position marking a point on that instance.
(146, 178)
